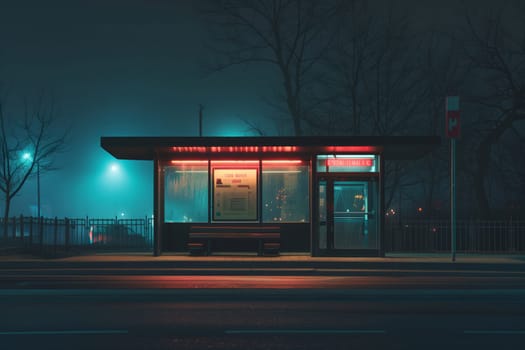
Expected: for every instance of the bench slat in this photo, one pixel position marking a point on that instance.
(268, 236)
(239, 235)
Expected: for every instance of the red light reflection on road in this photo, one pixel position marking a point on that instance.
(234, 282)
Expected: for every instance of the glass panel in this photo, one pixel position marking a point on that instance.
(355, 216)
(186, 193)
(322, 215)
(285, 193)
(344, 163)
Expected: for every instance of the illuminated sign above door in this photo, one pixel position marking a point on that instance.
(348, 163)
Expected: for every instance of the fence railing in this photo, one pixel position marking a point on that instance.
(472, 236)
(72, 235)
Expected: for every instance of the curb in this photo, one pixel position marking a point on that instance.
(215, 265)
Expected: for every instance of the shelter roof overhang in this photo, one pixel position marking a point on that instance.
(149, 148)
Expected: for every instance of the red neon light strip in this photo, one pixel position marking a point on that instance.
(189, 162)
(234, 161)
(279, 148)
(283, 161)
(191, 149)
(233, 149)
(268, 149)
(279, 161)
(351, 149)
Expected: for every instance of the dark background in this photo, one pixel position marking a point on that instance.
(141, 68)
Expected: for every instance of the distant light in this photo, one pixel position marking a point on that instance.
(26, 156)
(420, 209)
(114, 168)
(392, 212)
(122, 214)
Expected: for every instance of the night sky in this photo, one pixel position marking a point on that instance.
(129, 68)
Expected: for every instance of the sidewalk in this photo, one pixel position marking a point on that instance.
(394, 261)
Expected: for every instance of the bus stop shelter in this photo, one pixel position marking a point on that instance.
(318, 195)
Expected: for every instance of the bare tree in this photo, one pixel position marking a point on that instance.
(496, 50)
(373, 81)
(26, 144)
(286, 34)
(341, 102)
(443, 72)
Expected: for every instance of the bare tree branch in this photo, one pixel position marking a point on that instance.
(25, 147)
(285, 34)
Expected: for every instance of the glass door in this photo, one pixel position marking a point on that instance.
(348, 215)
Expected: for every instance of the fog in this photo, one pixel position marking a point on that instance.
(115, 70)
(128, 68)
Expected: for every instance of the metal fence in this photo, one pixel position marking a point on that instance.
(472, 236)
(71, 236)
(55, 236)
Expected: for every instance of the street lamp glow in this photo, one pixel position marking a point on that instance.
(26, 156)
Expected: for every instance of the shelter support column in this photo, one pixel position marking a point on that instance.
(314, 207)
(381, 208)
(158, 207)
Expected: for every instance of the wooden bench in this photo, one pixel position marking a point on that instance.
(202, 237)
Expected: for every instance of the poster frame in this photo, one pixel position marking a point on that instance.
(214, 197)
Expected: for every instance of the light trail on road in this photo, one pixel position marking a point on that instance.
(259, 282)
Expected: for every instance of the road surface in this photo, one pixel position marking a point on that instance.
(111, 309)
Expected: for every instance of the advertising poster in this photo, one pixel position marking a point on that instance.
(235, 194)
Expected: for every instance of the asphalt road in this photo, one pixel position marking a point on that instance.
(75, 277)
(96, 309)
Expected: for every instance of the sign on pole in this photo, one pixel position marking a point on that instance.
(452, 130)
(452, 124)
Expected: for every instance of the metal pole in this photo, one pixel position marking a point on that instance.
(38, 187)
(200, 120)
(453, 197)
(157, 207)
